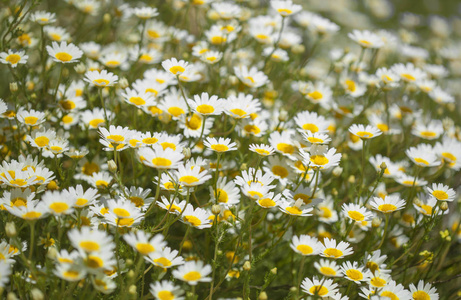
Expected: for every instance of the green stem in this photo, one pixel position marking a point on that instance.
(384, 234)
(32, 239)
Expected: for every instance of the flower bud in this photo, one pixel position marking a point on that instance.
(132, 289)
(337, 171)
(187, 245)
(376, 222)
(37, 294)
(417, 202)
(216, 209)
(186, 152)
(13, 87)
(351, 179)
(123, 83)
(130, 274)
(262, 296)
(274, 271)
(233, 80)
(243, 167)
(444, 206)
(298, 49)
(112, 166)
(383, 166)
(10, 229)
(80, 68)
(129, 262)
(283, 116)
(106, 18)
(247, 266)
(52, 253)
(293, 289)
(11, 296)
(334, 192)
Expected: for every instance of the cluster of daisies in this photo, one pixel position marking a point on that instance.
(178, 151)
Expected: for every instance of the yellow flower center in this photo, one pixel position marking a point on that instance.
(125, 222)
(294, 210)
(440, 195)
(166, 145)
(112, 63)
(319, 160)
(165, 262)
(284, 11)
(316, 95)
(280, 171)
(30, 120)
(101, 82)
(311, 127)
(314, 140)
(365, 43)
(205, 109)
(121, 212)
(219, 147)
(138, 201)
(390, 295)
(165, 295)
(365, 134)
(89, 168)
(145, 58)
(67, 104)
(145, 248)
(137, 101)
(13, 58)
(354, 274)
(408, 77)
(239, 112)
(81, 202)
(192, 276)
(31, 215)
(378, 282)
(177, 69)
(351, 86)
(94, 262)
(427, 209)
(421, 161)
(267, 202)
(222, 196)
(327, 271)
(96, 122)
(305, 249)
(318, 290)
(161, 162)
(63, 56)
(387, 208)
(188, 179)
(19, 202)
(41, 141)
(175, 111)
(89, 246)
(326, 212)
(262, 36)
(356, 215)
(255, 194)
(115, 138)
(71, 274)
(421, 295)
(217, 40)
(193, 220)
(333, 252)
(59, 207)
(56, 149)
(262, 152)
(383, 127)
(285, 148)
(252, 129)
(194, 122)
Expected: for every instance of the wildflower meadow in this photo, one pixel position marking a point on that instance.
(230, 149)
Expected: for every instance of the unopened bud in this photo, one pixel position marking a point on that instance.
(106, 18)
(383, 166)
(13, 87)
(334, 192)
(444, 206)
(37, 294)
(351, 179)
(123, 83)
(293, 289)
(243, 167)
(11, 296)
(283, 116)
(417, 202)
(216, 209)
(130, 274)
(274, 271)
(233, 80)
(247, 266)
(186, 152)
(337, 171)
(262, 296)
(297, 49)
(10, 229)
(52, 253)
(129, 262)
(80, 68)
(376, 222)
(112, 166)
(132, 289)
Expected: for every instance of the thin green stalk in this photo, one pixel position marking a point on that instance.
(384, 234)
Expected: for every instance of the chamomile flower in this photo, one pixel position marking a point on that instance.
(429, 131)
(321, 157)
(316, 138)
(366, 39)
(251, 77)
(57, 204)
(269, 200)
(101, 78)
(198, 218)
(41, 138)
(174, 66)
(33, 211)
(410, 181)
(70, 272)
(64, 53)
(145, 13)
(83, 198)
(296, 208)
(262, 149)
(173, 205)
(428, 206)
(227, 193)
(331, 249)
(241, 106)
(441, 192)
(162, 290)
(395, 291)
(311, 121)
(205, 105)
(389, 204)
(123, 213)
(31, 117)
(356, 212)
(423, 155)
(408, 73)
(322, 288)
(251, 176)
(165, 258)
(423, 291)
(211, 57)
(191, 177)
(305, 245)
(220, 145)
(285, 7)
(138, 196)
(354, 273)
(365, 132)
(193, 272)
(88, 241)
(283, 143)
(328, 268)
(159, 158)
(43, 17)
(144, 243)
(13, 58)
(138, 99)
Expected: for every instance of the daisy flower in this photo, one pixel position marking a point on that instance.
(220, 145)
(387, 205)
(285, 7)
(193, 272)
(227, 193)
(144, 243)
(423, 155)
(315, 287)
(394, 291)
(226, 10)
(354, 273)
(328, 268)
(255, 176)
(364, 132)
(159, 158)
(57, 204)
(283, 142)
(57, 34)
(305, 245)
(137, 99)
(165, 258)
(31, 117)
(198, 218)
(356, 212)
(174, 66)
(101, 79)
(43, 17)
(251, 77)
(423, 291)
(70, 272)
(41, 138)
(241, 106)
(297, 208)
(269, 200)
(316, 138)
(449, 151)
(101, 282)
(191, 177)
(429, 131)
(173, 205)
(162, 290)
(321, 157)
(312, 122)
(123, 213)
(205, 105)
(145, 13)
(116, 135)
(331, 249)
(262, 149)
(88, 241)
(83, 198)
(428, 206)
(13, 58)
(139, 197)
(366, 39)
(441, 192)
(64, 53)
(33, 211)
(211, 57)
(410, 181)
(408, 73)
